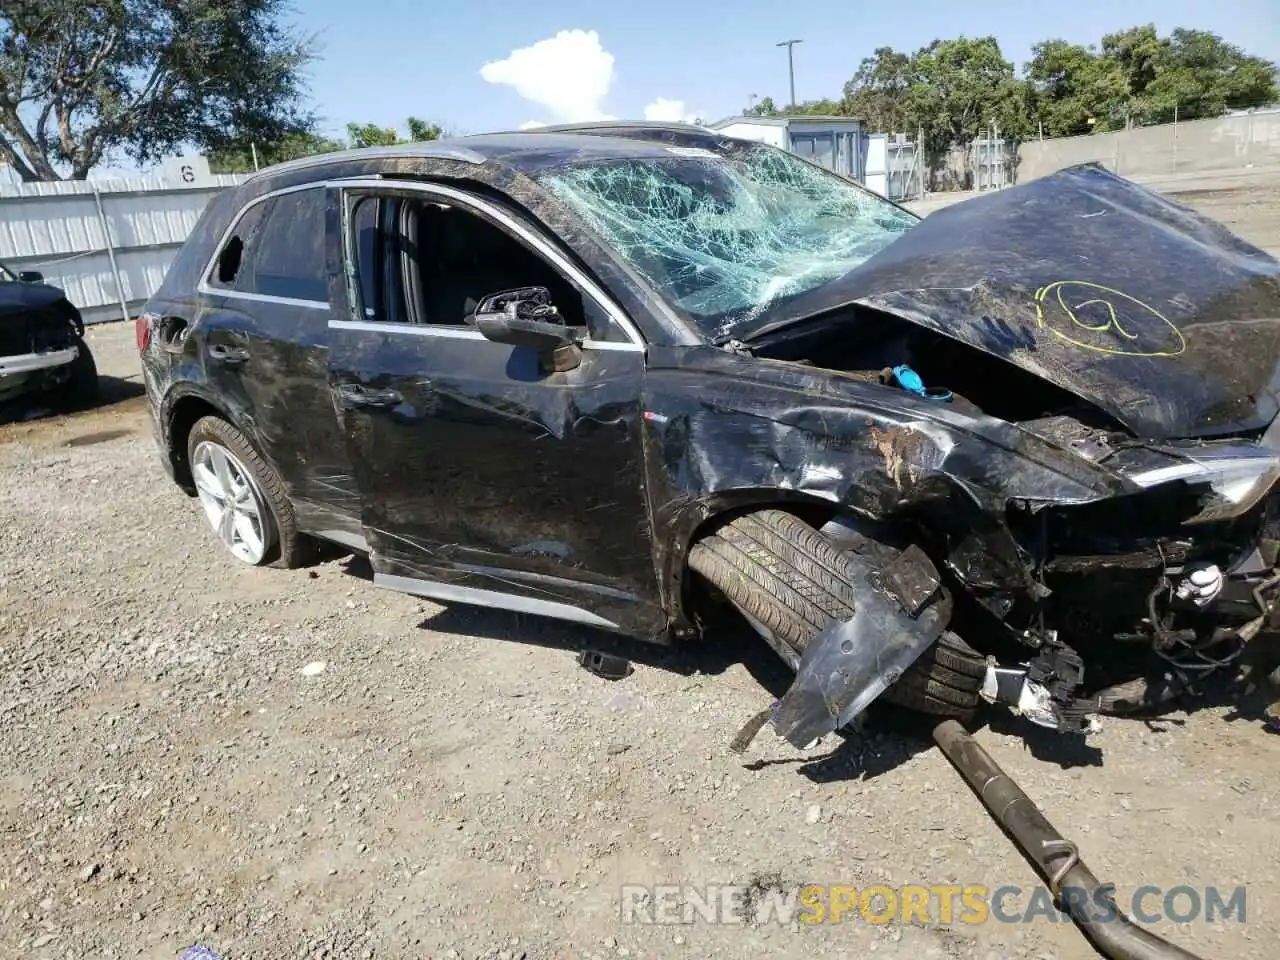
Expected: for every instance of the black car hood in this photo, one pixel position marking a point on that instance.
(1150, 311)
(18, 298)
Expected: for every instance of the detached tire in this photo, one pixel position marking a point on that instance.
(781, 571)
(794, 581)
(944, 681)
(287, 548)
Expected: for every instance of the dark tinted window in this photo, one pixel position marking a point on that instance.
(278, 249)
(288, 258)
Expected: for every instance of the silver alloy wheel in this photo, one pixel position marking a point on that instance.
(232, 502)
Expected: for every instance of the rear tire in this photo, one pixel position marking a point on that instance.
(794, 581)
(288, 548)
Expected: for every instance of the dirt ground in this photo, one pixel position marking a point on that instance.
(285, 764)
(1251, 210)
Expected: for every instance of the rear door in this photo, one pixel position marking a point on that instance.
(483, 478)
(262, 332)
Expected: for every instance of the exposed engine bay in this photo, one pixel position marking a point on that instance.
(1107, 606)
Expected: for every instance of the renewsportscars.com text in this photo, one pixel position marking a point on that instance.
(929, 905)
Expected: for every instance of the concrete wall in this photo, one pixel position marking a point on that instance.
(1229, 143)
(71, 231)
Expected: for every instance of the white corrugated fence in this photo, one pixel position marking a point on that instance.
(107, 243)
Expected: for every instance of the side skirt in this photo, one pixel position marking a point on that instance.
(452, 593)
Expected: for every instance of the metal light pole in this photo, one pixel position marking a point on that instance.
(791, 67)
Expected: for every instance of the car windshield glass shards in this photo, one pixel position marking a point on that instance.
(727, 238)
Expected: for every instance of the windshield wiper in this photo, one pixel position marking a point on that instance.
(748, 340)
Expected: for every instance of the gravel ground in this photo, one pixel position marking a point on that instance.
(296, 764)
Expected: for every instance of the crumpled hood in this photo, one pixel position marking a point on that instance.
(20, 297)
(1152, 312)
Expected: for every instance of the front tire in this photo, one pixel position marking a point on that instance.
(82, 389)
(73, 386)
(243, 498)
(794, 581)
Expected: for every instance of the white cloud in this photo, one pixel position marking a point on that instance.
(663, 110)
(568, 74)
(532, 125)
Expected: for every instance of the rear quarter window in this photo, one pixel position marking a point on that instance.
(185, 273)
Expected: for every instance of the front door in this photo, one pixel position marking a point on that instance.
(485, 478)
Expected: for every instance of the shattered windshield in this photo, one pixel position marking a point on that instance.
(728, 238)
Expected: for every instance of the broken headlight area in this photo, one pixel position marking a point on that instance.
(1142, 597)
(1229, 479)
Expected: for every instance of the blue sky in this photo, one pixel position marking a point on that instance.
(384, 60)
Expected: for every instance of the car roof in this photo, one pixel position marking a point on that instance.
(527, 151)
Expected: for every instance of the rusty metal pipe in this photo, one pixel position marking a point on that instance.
(1056, 858)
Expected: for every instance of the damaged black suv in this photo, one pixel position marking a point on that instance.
(627, 375)
(43, 353)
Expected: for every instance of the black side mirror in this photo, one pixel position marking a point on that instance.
(526, 317)
(30, 276)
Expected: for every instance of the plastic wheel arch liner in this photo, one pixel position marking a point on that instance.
(901, 610)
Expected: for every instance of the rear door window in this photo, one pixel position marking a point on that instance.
(277, 249)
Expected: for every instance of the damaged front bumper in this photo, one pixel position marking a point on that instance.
(1197, 616)
(32, 362)
(1228, 610)
(1174, 561)
(19, 373)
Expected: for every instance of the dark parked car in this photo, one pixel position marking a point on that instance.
(42, 350)
(632, 376)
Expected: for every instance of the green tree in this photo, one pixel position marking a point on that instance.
(880, 92)
(954, 88)
(964, 86)
(1073, 89)
(1139, 77)
(1201, 75)
(239, 157)
(81, 80)
(372, 135)
(807, 108)
(421, 131)
(1136, 53)
(817, 108)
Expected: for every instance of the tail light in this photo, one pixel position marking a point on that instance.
(142, 327)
